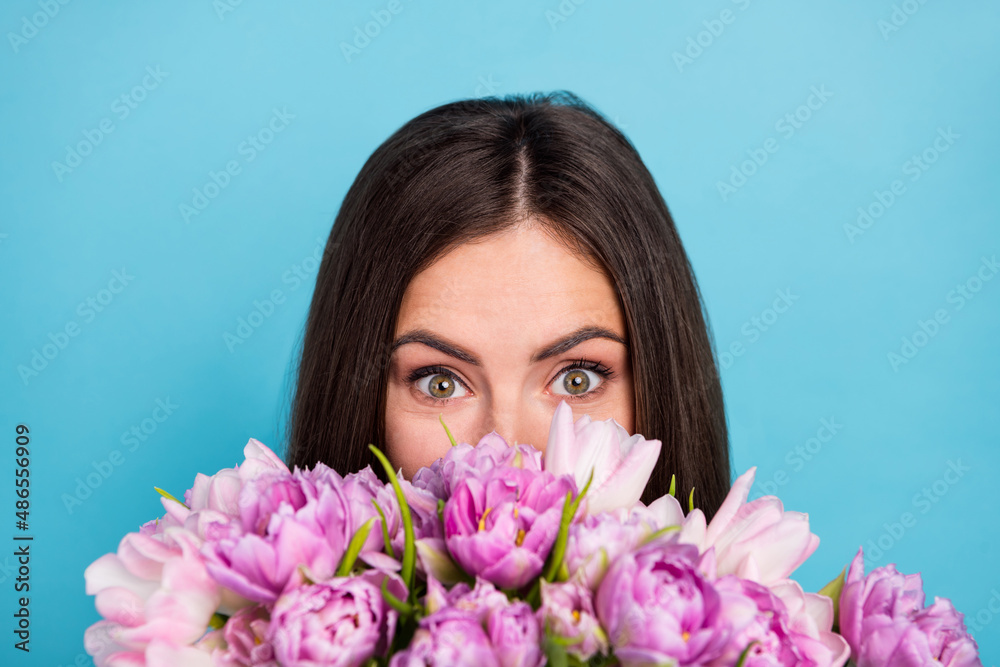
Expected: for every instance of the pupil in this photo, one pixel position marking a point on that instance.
(443, 387)
(576, 382)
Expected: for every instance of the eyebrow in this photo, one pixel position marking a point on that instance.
(561, 345)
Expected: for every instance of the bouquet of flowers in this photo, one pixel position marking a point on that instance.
(495, 555)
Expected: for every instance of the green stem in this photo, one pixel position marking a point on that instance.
(450, 436)
(409, 543)
(569, 511)
(167, 495)
(354, 548)
(402, 607)
(385, 531)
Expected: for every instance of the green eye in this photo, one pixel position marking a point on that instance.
(576, 381)
(438, 383)
(441, 386)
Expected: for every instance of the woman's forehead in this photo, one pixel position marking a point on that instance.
(518, 290)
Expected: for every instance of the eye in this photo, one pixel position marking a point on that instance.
(437, 383)
(582, 378)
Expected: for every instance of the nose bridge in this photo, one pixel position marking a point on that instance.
(503, 414)
(511, 417)
(503, 418)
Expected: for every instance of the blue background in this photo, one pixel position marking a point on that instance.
(855, 295)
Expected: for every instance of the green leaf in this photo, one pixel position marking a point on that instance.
(440, 564)
(354, 548)
(555, 652)
(217, 621)
(691, 501)
(661, 532)
(409, 544)
(168, 496)
(746, 652)
(385, 531)
(833, 590)
(304, 571)
(673, 486)
(559, 548)
(450, 436)
(401, 606)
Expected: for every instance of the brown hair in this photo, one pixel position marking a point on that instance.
(473, 168)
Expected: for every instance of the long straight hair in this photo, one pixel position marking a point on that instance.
(473, 168)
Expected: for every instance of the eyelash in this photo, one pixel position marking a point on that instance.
(580, 364)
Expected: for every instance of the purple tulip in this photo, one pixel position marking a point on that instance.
(341, 622)
(513, 628)
(658, 607)
(245, 639)
(883, 618)
(286, 522)
(423, 511)
(293, 526)
(596, 541)
(567, 612)
(501, 524)
(360, 488)
(446, 638)
(479, 601)
(761, 621)
(516, 635)
(462, 460)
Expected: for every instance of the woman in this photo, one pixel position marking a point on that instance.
(492, 258)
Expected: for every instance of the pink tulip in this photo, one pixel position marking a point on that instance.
(621, 463)
(883, 617)
(243, 641)
(598, 540)
(155, 591)
(501, 525)
(341, 622)
(567, 612)
(755, 540)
